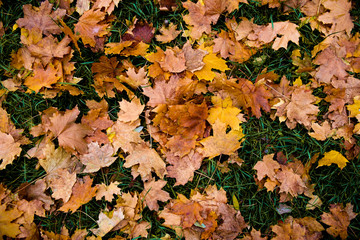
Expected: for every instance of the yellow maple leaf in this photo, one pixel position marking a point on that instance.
(211, 61)
(354, 109)
(225, 112)
(333, 157)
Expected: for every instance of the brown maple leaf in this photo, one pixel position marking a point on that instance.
(267, 167)
(42, 78)
(90, 26)
(167, 33)
(174, 61)
(61, 183)
(10, 149)
(42, 18)
(130, 111)
(97, 157)
(338, 219)
(8, 226)
(69, 134)
(188, 209)
(107, 221)
(145, 160)
(107, 191)
(135, 79)
(140, 31)
(152, 193)
(108, 5)
(193, 57)
(82, 193)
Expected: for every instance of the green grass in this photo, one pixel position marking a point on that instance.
(263, 136)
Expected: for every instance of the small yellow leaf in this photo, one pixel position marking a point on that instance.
(354, 109)
(235, 202)
(333, 157)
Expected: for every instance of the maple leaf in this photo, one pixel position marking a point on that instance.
(286, 29)
(224, 45)
(211, 61)
(189, 211)
(89, 27)
(82, 6)
(267, 167)
(107, 191)
(97, 157)
(107, 221)
(42, 78)
(10, 149)
(330, 66)
(354, 108)
(301, 109)
(82, 193)
(61, 183)
(174, 61)
(338, 219)
(134, 79)
(144, 160)
(42, 18)
(7, 225)
(221, 142)
(69, 134)
(109, 5)
(291, 182)
(152, 193)
(193, 57)
(333, 157)
(183, 168)
(36, 192)
(123, 135)
(140, 31)
(168, 33)
(302, 228)
(49, 48)
(199, 19)
(225, 112)
(321, 132)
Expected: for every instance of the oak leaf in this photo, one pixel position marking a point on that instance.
(168, 33)
(89, 27)
(333, 157)
(152, 193)
(97, 157)
(82, 193)
(338, 219)
(145, 160)
(221, 142)
(42, 18)
(107, 191)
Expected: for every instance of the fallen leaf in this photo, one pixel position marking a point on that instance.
(8, 226)
(61, 183)
(152, 193)
(267, 167)
(89, 27)
(134, 79)
(188, 210)
(145, 160)
(338, 219)
(9, 149)
(82, 193)
(221, 142)
(167, 33)
(42, 78)
(97, 157)
(42, 18)
(107, 221)
(333, 157)
(107, 191)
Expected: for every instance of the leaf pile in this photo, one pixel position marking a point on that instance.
(166, 101)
